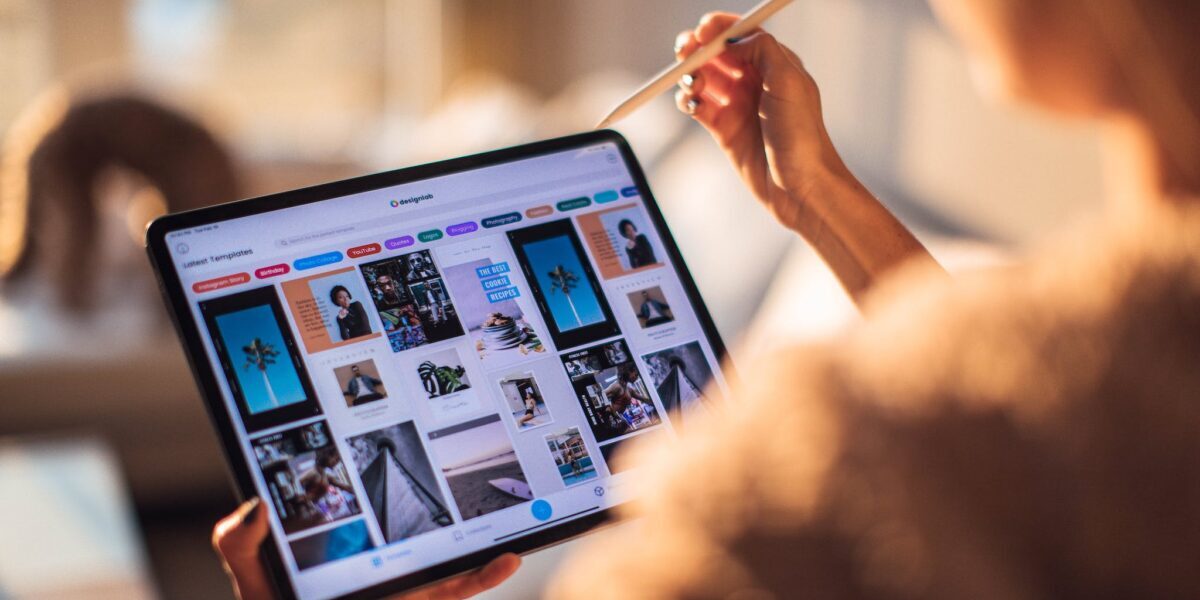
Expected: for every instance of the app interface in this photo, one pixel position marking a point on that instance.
(426, 370)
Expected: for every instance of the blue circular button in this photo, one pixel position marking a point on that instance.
(541, 510)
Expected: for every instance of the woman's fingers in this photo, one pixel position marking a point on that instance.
(771, 62)
(685, 44)
(718, 100)
(236, 539)
(715, 24)
(703, 109)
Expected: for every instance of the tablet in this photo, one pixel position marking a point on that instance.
(422, 369)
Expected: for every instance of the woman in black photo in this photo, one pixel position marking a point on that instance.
(637, 245)
(352, 318)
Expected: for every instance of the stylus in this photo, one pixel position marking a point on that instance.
(668, 77)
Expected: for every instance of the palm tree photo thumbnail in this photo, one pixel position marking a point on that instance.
(564, 280)
(261, 355)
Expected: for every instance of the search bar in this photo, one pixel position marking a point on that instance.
(433, 210)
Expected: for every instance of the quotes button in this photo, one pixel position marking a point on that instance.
(396, 243)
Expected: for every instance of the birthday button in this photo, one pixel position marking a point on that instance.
(272, 271)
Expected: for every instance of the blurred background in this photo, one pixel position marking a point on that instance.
(115, 111)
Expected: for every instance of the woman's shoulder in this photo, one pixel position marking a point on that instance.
(962, 416)
(1099, 301)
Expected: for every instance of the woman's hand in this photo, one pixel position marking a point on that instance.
(238, 536)
(764, 110)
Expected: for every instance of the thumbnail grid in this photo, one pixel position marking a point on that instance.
(459, 330)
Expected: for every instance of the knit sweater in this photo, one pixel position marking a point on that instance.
(1029, 432)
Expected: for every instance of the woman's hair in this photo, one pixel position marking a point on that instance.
(339, 288)
(1155, 45)
(623, 223)
(313, 481)
(629, 373)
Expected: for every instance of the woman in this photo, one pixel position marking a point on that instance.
(530, 407)
(1024, 433)
(351, 318)
(637, 246)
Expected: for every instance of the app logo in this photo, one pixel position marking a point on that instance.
(394, 203)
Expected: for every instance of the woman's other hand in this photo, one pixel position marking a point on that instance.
(238, 536)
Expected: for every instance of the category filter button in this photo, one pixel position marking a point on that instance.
(364, 250)
(539, 211)
(501, 220)
(403, 241)
(272, 271)
(605, 196)
(574, 203)
(211, 285)
(461, 228)
(319, 260)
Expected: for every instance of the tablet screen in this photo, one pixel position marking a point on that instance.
(426, 370)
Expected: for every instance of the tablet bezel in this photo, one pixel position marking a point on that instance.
(239, 464)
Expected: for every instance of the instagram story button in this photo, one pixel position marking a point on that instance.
(397, 243)
(212, 285)
(272, 271)
(364, 250)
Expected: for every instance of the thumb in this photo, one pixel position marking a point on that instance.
(237, 539)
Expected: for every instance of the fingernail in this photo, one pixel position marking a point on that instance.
(687, 81)
(252, 511)
(692, 105)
